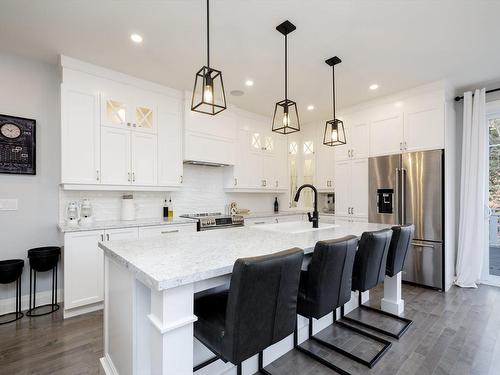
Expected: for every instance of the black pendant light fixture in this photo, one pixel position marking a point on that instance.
(334, 129)
(208, 92)
(286, 117)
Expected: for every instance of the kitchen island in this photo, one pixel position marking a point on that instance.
(150, 286)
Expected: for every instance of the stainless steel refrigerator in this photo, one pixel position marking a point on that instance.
(408, 189)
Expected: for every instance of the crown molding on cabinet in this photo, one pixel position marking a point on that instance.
(85, 67)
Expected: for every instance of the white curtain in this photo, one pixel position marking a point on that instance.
(473, 224)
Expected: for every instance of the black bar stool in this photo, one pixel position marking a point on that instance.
(10, 271)
(43, 259)
(398, 249)
(258, 309)
(368, 272)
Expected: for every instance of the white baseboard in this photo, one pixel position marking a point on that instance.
(69, 313)
(9, 304)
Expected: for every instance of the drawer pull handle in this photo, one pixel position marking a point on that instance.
(170, 231)
(260, 222)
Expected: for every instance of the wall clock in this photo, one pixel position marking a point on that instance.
(17, 145)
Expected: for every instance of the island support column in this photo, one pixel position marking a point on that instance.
(392, 302)
(172, 321)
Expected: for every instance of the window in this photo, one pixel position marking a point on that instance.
(256, 143)
(308, 148)
(293, 148)
(269, 143)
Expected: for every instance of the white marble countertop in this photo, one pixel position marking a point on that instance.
(183, 258)
(112, 224)
(259, 214)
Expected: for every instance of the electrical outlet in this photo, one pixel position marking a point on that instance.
(8, 204)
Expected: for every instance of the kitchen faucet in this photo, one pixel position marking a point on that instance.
(315, 216)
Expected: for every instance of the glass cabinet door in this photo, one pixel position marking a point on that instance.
(114, 112)
(144, 118)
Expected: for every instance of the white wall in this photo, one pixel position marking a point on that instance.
(31, 89)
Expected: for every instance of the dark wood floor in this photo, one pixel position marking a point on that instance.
(453, 333)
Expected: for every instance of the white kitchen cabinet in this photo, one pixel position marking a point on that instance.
(165, 230)
(144, 159)
(169, 148)
(324, 164)
(115, 156)
(80, 136)
(128, 111)
(274, 219)
(360, 135)
(84, 268)
(351, 188)
(386, 135)
(424, 128)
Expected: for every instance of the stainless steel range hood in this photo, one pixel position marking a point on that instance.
(204, 163)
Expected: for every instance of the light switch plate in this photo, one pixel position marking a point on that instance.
(8, 204)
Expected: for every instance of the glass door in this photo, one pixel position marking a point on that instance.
(492, 270)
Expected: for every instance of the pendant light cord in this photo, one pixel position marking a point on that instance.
(286, 69)
(208, 34)
(333, 90)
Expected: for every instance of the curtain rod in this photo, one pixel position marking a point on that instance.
(458, 98)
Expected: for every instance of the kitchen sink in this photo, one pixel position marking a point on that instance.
(293, 227)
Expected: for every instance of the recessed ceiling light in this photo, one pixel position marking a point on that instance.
(398, 104)
(374, 86)
(237, 93)
(310, 107)
(249, 82)
(136, 38)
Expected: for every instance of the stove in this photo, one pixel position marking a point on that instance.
(215, 220)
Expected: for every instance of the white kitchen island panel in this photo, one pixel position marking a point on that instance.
(150, 287)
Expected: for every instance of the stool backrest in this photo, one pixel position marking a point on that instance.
(371, 259)
(329, 274)
(400, 243)
(262, 303)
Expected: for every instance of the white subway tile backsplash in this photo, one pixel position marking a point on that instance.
(202, 191)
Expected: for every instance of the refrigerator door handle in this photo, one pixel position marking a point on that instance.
(403, 196)
(397, 195)
(419, 244)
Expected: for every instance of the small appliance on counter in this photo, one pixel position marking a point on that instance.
(128, 207)
(86, 212)
(216, 220)
(72, 214)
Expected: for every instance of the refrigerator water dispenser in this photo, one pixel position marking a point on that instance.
(385, 201)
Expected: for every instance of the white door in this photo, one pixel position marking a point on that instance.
(115, 156)
(122, 234)
(424, 129)
(169, 148)
(83, 269)
(360, 135)
(342, 187)
(115, 111)
(80, 150)
(144, 159)
(386, 135)
(359, 188)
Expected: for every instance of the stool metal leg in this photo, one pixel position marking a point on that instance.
(261, 365)
(396, 335)
(53, 305)
(17, 313)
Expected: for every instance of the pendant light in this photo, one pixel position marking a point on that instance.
(334, 129)
(286, 117)
(208, 92)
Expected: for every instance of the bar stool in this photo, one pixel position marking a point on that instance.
(258, 309)
(43, 259)
(398, 249)
(368, 272)
(10, 271)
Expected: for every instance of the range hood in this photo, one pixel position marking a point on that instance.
(205, 163)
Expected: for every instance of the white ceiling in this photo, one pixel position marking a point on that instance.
(398, 44)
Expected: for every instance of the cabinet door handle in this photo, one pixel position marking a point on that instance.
(406, 146)
(107, 236)
(97, 175)
(128, 178)
(259, 222)
(235, 181)
(128, 123)
(133, 176)
(134, 125)
(182, 179)
(265, 182)
(348, 153)
(102, 237)
(352, 153)
(170, 231)
(352, 210)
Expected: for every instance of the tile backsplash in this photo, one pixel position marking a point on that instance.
(203, 191)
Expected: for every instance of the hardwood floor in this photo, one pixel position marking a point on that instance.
(453, 333)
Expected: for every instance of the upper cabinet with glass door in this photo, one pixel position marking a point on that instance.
(128, 112)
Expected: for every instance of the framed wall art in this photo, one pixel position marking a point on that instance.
(17, 145)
